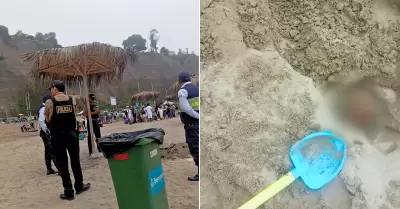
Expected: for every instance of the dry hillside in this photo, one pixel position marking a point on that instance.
(151, 69)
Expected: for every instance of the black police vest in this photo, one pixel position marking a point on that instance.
(94, 116)
(63, 118)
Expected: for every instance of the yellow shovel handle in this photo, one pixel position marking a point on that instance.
(269, 192)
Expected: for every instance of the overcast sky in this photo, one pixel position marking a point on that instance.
(85, 21)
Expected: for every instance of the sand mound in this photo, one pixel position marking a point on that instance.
(244, 154)
(321, 40)
(318, 38)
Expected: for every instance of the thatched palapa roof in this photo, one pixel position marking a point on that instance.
(97, 61)
(145, 95)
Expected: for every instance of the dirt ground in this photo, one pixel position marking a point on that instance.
(26, 185)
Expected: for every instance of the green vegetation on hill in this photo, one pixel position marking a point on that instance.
(157, 69)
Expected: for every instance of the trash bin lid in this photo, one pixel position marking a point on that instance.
(117, 143)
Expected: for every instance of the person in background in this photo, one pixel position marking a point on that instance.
(45, 135)
(157, 113)
(173, 109)
(188, 96)
(60, 116)
(95, 112)
(144, 113)
(83, 118)
(125, 114)
(128, 115)
(168, 113)
(21, 126)
(149, 112)
(134, 114)
(160, 111)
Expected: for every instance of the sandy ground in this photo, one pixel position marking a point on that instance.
(239, 158)
(24, 183)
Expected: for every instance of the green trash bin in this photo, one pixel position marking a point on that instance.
(135, 165)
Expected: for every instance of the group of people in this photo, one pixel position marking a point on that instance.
(59, 131)
(165, 111)
(138, 114)
(147, 114)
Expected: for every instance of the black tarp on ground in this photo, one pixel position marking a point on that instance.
(117, 143)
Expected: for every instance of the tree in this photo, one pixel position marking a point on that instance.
(51, 38)
(39, 36)
(135, 42)
(47, 40)
(30, 37)
(20, 34)
(154, 40)
(35, 94)
(187, 50)
(180, 52)
(164, 51)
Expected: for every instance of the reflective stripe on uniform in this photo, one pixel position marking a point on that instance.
(194, 103)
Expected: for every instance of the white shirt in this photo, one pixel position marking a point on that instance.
(149, 109)
(42, 119)
(130, 115)
(184, 103)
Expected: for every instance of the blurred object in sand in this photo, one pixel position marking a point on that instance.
(360, 103)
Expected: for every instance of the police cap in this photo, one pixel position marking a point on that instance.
(58, 85)
(184, 77)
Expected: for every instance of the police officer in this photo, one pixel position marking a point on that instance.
(189, 103)
(60, 115)
(95, 111)
(45, 135)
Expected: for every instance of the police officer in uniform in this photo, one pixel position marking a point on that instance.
(189, 103)
(95, 111)
(60, 115)
(45, 135)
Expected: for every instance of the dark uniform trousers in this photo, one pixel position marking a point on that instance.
(192, 139)
(62, 142)
(97, 133)
(48, 153)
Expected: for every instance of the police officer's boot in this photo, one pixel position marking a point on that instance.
(67, 197)
(84, 188)
(51, 171)
(195, 177)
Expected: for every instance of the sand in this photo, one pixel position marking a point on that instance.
(25, 184)
(272, 60)
(241, 155)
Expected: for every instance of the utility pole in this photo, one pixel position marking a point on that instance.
(28, 104)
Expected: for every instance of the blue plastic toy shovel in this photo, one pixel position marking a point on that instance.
(317, 159)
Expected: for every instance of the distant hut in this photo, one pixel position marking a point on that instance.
(145, 95)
